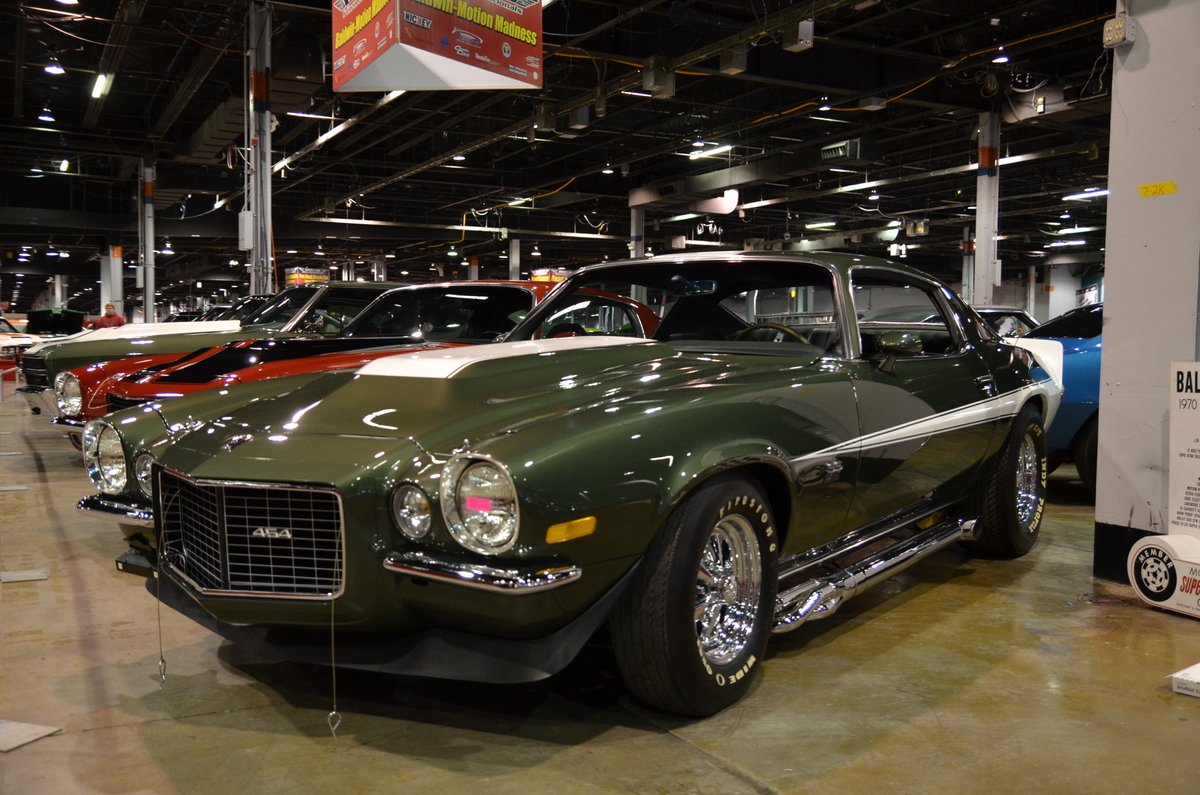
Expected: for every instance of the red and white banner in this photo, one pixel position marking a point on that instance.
(430, 45)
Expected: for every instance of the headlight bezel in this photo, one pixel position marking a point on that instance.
(143, 468)
(100, 438)
(413, 521)
(458, 517)
(68, 405)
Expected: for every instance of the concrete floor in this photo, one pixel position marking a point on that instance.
(960, 675)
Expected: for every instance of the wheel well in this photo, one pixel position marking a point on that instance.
(778, 493)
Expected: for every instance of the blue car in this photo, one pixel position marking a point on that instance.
(1072, 436)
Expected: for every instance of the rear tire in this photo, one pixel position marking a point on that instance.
(1084, 453)
(1013, 488)
(692, 628)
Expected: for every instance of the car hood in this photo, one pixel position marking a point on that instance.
(441, 400)
(132, 331)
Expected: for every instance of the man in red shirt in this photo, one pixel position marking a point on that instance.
(110, 318)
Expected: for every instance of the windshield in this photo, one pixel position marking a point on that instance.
(735, 305)
(450, 313)
(7, 327)
(281, 308)
(1085, 322)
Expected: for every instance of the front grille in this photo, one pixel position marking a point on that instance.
(33, 368)
(253, 539)
(118, 402)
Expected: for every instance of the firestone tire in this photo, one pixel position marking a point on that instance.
(1013, 500)
(692, 629)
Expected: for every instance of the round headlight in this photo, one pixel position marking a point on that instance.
(411, 511)
(141, 473)
(67, 394)
(104, 457)
(479, 502)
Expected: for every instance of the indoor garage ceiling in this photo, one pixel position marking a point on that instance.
(872, 128)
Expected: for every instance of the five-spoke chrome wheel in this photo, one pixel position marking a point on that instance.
(728, 588)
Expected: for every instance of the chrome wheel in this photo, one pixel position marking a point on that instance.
(1029, 482)
(728, 589)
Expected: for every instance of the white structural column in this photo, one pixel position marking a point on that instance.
(514, 258)
(986, 271)
(258, 169)
(112, 287)
(58, 291)
(147, 243)
(1152, 269)
(637, 232)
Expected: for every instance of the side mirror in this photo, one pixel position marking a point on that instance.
(900, 343)
(897, 345)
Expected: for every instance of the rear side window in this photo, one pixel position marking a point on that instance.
(901, 314)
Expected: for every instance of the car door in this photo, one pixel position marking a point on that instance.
(919, 385)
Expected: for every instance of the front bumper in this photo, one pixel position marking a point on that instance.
(122, 510)
(40, 399)
(436, 653)
(486, 578)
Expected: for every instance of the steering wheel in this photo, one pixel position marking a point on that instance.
(779, 327)
(566, 330)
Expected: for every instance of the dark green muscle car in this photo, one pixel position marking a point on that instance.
(479, 513)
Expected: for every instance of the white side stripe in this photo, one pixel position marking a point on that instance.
(984, 411)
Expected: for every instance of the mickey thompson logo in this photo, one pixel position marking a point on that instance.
(272, 532)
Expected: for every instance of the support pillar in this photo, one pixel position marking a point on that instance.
(258, 168)
(987, 211)
(473, 269)
(1152, 282)
(637, 233)
(112, 286)
(514, 258)
(58, 291)
(1031, 289)
(147, 243)
(379, 269)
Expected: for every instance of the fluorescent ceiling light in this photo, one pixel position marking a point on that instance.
(820, 224)
(46, 115)
(460, 158)
(636, 94)
(101, 86)
(843, 170)
(1087, 195)
(517, 202)
(1076, 230)
(64, 165)
(830, 119)
(53, 67)
(305, 115)
(716, 150)
(1061, 243)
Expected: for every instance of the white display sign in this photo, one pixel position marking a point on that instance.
(1183, 466)
(1165, 569)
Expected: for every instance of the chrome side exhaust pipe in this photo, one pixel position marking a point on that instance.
(820, 596)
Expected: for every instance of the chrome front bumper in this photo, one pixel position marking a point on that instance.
(476, 575)
(124, 511)
(40, 399)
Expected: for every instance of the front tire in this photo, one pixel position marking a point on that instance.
(690, 632)
(1014, 490)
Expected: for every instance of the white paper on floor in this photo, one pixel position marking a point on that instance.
(28, 575)
(14, 734)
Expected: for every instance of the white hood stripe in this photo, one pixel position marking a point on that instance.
(449, 362)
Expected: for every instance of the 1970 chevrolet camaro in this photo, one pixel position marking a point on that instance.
(479, 513)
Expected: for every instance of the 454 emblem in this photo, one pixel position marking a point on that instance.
(272, 532)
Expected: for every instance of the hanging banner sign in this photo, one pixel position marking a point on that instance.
(431, 45)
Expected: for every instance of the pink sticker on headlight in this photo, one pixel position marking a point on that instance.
(481, 504)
